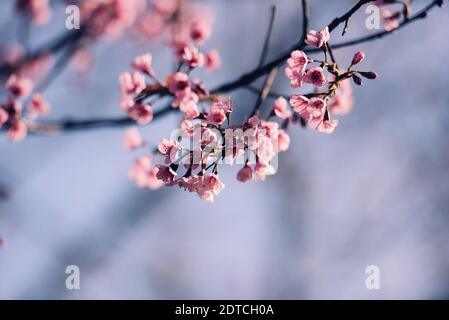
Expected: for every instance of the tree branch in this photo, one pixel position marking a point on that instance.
(242, 82)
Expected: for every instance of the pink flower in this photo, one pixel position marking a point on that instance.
(132, 139)
(169, 148)
(315, 76)
(213, 60)
(200, 31)
(143, 63)
(179, 84)
(153, 182)
(138, 171)
(3, 117)
(17, 131)
(316, 107)
(192, 57)
(296, 77)
(318, 39)
(216, 117)
(245, 174)
(165, 174)
(280, 108)
(141, 113)
(326, 126)
(19, 87)
(283, 140)
(132, 83)
(38, 105)
(298, 61)
(358, 57)
(166, 7)
(263, 170)
(299, 103)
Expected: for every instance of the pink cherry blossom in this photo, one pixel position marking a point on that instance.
(165, 174)
(280, 108)
(213, 60)
(283, 140)
(141, 113)
(245, 174)
(17, 131)
(132, 83)
(192, 56)
(132, 139)
(262, 170)
(318, 39)
(296, 77)
(343, 101)
(299, 103)
(3, 117)
(169, 148)
(200, 31)
(143, 63)
(216, 117)
(298, 61)
(18, 86)
(326, 126)
(179, 84)
(315, 76)
(138, 171)
(38, 105)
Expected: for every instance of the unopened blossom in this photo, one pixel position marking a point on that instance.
(169, 148)
(358, 57)
(283, 140)
(132, 139)
(299, 103)
(318, 38)
(200, 31)
(132, 83)
(19, 86)
(315, 76)
(17, 131)
(213, 60)
(245, 174)
(280, 108)
(143, 63)
(141, 113)
(38, 105)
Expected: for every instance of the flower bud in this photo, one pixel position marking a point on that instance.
(357, 80)
(358, 57)
(369, 75)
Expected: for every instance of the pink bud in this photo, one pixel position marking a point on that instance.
(358, 57)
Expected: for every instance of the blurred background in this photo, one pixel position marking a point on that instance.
(376, 192)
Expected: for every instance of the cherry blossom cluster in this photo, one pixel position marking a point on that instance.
(12, 114)
(194, 153)
(315, 109)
